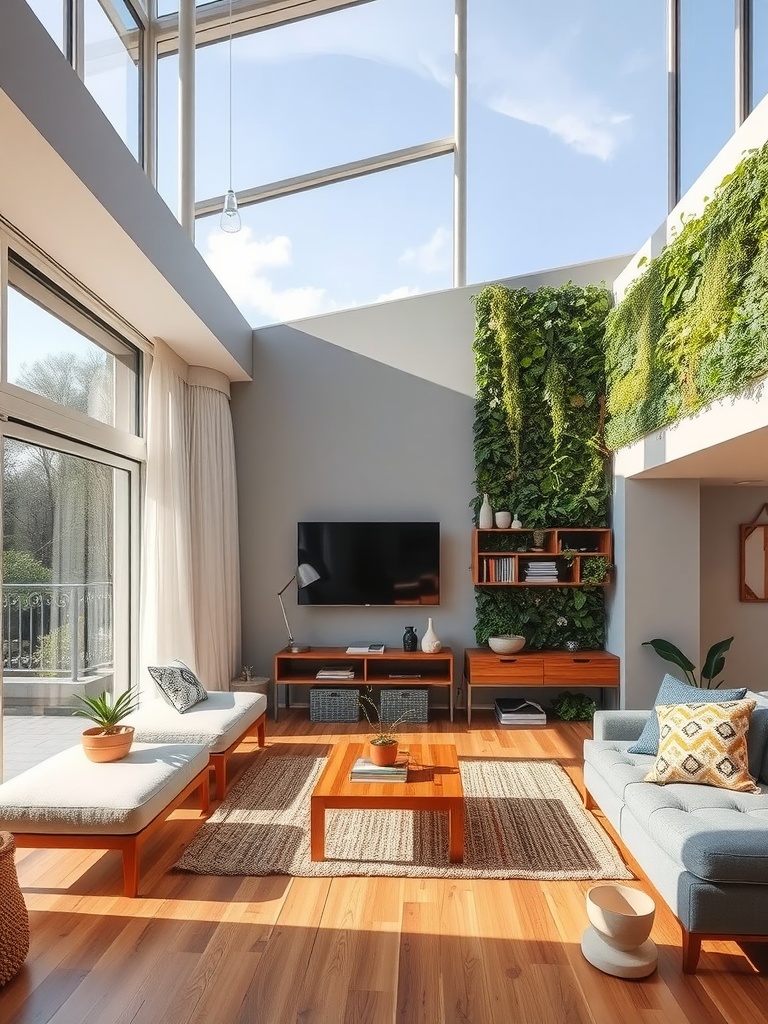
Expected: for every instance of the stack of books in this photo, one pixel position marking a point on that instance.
(335, 672)
(510, 711)
(363, 648)
(541, 572)
(364, 770)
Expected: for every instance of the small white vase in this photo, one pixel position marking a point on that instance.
(516, 524)
(485, 519)
(503, 520)
(430, 642)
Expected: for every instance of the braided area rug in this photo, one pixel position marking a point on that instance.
(522, 819)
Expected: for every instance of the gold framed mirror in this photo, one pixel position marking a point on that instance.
(753, 571)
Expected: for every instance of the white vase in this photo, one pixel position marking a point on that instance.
(516, 524)
(503, 520)
(485, 519)
(430, 642)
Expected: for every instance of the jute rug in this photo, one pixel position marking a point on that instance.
(523, 819)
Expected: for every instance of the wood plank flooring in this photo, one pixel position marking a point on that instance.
(278, 950)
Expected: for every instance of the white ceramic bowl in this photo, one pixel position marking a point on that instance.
(506, 644)
(623, 916)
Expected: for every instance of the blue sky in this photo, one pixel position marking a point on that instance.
(567, 145)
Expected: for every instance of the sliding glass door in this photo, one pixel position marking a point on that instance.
(68, 518)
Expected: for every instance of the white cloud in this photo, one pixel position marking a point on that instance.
(539, 86)
(403, 292)
(374, 32)
(434, 256)
(588, 126)
(241, 263)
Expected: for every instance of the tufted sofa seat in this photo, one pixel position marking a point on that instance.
(704, 849)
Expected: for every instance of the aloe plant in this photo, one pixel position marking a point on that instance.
(713, 663)
(105, 715)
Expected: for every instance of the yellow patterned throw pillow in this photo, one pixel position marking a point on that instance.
(704, 743)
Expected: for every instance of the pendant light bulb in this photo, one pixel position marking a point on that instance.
(230, 215)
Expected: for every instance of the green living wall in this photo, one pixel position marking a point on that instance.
(539, 446)
(694, 327)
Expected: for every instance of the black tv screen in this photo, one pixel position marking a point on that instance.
(371, 563)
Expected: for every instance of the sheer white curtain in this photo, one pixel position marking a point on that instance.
(167, 597)
(215, 549)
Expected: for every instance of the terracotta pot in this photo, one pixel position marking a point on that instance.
(100, 746)
(383, 753)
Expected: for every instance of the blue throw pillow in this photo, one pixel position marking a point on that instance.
(675, 691)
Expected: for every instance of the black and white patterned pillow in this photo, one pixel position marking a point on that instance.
(179, 685)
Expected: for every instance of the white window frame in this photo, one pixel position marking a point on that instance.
(127, 557)
(24, 406)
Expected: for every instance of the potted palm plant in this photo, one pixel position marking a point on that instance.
(107, 740)
(383, 742)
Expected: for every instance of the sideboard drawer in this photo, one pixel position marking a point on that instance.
(507, 668)
(582, 670)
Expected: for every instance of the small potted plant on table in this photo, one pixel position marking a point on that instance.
(383, 742)
(107, 740)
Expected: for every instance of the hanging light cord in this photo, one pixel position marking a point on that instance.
(230, 95)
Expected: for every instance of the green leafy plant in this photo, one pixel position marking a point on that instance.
(574, 707)
(383, 733)
(107, 716)
(714, 663)
(693, 328)
(538, 443)
(594, 570)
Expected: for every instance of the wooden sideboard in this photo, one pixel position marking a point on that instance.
(564, 669)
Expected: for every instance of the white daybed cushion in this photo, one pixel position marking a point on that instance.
(67, 793)
(218, 722)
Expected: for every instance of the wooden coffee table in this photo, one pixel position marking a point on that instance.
(434, 784)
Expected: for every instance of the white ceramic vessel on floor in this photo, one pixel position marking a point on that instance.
(617, 942)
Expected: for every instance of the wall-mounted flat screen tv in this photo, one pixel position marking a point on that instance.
(371, 563)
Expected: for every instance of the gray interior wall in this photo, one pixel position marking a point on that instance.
(656, 590)
(325, 432)
(723, 509)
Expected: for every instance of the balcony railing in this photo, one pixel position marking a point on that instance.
(57, 629)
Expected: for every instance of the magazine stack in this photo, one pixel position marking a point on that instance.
(512, 711)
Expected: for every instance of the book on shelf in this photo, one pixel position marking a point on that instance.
(366, 648)
(335, 672)
(511, 711)
(364, 770)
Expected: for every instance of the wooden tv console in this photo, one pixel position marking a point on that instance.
(392, 668)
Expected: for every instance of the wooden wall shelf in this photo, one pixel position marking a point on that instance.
(507, 558)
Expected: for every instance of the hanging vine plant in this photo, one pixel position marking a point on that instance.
(540, 375)
(539, 446)
(694, 327)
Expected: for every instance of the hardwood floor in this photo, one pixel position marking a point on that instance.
(278, 950)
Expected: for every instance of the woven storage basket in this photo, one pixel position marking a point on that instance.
(14, 919)
(413, 703)
(334, 705)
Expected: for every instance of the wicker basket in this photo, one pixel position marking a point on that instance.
(411, 703)
(14, 919)
(326, 705)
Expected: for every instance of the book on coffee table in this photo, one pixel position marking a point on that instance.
(364, 770)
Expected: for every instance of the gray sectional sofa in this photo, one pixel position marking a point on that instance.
(704, 849)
